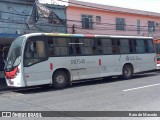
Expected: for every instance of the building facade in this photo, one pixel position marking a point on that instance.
(90, 18)
(13, 16)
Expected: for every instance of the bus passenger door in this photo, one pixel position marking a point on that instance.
(36, 66)
(110, 61)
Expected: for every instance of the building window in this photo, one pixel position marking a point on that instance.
(54, 19)
(151, 26)
(87, 21)
(120, 24)
(138, 26)
(98, 19)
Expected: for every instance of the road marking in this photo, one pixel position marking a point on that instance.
(141, 87)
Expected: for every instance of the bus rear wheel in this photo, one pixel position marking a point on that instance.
(60, 80)
(127, 72)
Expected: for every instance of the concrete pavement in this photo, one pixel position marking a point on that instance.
(100, 95)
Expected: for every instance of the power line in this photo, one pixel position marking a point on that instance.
(62, 19)
(97, 28)
(79, 27)
(76, 21)
(76, 27)
(108, 24)
(81, 30)
(106, 28)
(69, 19)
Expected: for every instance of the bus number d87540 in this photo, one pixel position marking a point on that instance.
(78, 61)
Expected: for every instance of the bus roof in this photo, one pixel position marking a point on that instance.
(84, 35)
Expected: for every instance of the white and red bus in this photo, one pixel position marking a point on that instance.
(59, 59)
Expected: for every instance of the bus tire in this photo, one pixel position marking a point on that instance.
(60, 79)
(127, 72)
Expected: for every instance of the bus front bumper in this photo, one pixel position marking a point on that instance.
(158, 66)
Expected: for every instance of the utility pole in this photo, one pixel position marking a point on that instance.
(73, 28)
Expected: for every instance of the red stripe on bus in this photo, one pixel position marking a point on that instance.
(89, 35)
(51, 66)
(100, 62)
(27, 76)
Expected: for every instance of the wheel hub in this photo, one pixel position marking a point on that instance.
(60, 79)
(127, 72)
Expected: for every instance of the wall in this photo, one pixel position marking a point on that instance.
(108, 21)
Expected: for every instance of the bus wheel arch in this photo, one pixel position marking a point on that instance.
(61, 78)
(127, 71)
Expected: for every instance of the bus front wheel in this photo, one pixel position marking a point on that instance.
(127, 71)
(60, 80)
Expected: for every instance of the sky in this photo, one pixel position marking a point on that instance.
(146, 5)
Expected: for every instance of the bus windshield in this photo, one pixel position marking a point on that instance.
(14, 54)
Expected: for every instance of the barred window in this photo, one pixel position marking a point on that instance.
(151, 26)
(87, 22)
(98, 19)
(120, 24)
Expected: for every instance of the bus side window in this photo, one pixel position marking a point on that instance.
(107, 46)
(132, 46)
(140, 47)
(99, 46)
(146, 46)
(124, 46)
(58, 46)
(86, 48)
(51, 47)
(150, 46)
(29, 50)
(77, 46)
(35, 52)
(40, 49)
(115, 46)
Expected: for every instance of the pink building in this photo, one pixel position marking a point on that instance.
(90, 18)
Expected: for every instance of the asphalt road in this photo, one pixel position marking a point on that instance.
(141, 93)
